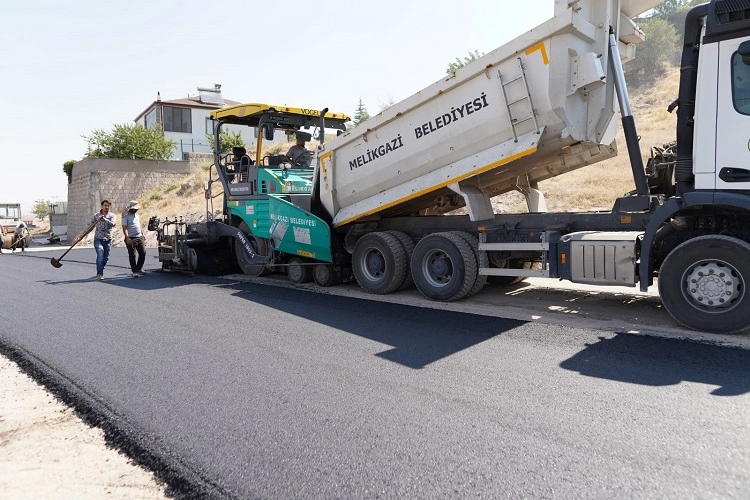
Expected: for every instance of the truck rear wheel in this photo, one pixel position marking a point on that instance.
(379, 263)
(298, 272)
(482, 261)
(444, 267)
(703, 283)
(408, 245)
(260, 246)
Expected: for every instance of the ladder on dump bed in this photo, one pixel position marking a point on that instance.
(526, 111)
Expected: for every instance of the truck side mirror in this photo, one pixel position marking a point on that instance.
(744, 51)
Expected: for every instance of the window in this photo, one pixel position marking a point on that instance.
(177, 120)
(150, 118)
(741, 83)
(209, 126)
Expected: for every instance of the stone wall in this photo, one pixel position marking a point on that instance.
(119, 181)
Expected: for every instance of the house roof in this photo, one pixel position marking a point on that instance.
(189, 102)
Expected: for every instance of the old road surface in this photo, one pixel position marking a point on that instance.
(227, 388)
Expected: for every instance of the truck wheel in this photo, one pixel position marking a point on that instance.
(260, 246)
(324, 275)
(482, 260)
(703, 284)
(379, 263)
(408, 245)
(444, 267)
(298, 272)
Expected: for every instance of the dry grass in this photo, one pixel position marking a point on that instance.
(597, 186)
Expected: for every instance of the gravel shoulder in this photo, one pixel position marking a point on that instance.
(46, 451)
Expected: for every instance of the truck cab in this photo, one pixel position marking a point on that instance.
(722, 119)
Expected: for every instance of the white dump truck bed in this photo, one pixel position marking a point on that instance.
(537, 107)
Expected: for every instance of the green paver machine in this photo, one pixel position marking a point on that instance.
(266, 220)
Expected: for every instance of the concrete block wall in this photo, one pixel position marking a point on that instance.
(119, 181)
(58, 224)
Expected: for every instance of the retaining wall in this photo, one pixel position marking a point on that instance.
(119, 181)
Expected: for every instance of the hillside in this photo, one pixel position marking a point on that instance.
(595, 187)
(590, 188)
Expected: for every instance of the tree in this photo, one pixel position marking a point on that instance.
(227, 140)
(676, 16)
(659, 49)
(68, 169)
(458, 63)
(360, 114)
(385, 105)
(41, 209)
(672, 10)
(129, 141)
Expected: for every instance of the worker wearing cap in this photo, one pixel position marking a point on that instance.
(131, 229)
(298, 155)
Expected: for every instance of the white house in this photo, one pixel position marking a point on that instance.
(187, 121)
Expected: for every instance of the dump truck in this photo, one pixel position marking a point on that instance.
(378, 205)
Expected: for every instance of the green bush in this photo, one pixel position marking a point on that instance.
(227, 141)
(458, 63)
(129, 142)
(68, 169)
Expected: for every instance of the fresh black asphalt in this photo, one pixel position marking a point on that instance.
(244, 390)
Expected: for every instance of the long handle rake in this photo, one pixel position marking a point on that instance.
(56, 262)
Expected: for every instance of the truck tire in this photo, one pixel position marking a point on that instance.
(703, 284)
(444, 267)
(298, 272)
(260, 246)
(379, 263)
(408, 245)
(324, 275)
(483, 260)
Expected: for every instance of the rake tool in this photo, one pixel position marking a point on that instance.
(15, 243)
(56, 262)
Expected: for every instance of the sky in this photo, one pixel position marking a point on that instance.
(68, 68)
